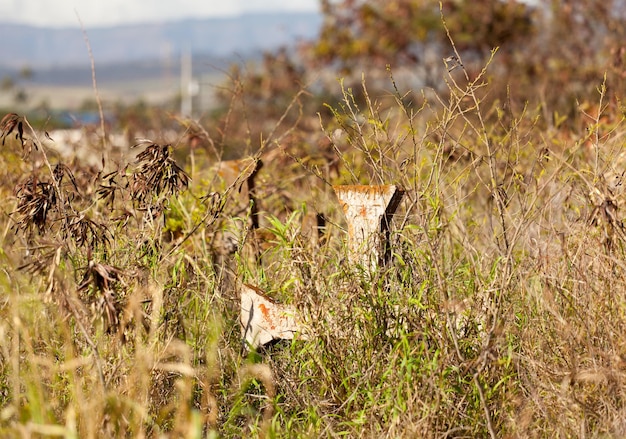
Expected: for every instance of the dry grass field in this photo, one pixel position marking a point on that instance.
(500, 313)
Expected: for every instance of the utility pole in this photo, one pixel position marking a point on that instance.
(186, 83)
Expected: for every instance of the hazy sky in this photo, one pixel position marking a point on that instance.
(62, 13)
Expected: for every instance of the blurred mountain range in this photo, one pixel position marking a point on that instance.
(60, 56)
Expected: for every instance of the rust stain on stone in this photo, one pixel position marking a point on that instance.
(266, 315)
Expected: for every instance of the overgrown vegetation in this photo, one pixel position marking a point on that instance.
(501, 312)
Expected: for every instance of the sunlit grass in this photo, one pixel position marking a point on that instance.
(499, 313)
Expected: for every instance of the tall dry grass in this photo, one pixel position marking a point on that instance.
(500, 313)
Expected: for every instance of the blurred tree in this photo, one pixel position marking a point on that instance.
(7, 83)
(543, 46)
(26, 73)
(580, 41)
(394, 32)
(259, 99)
(553, 53)
(20, 97)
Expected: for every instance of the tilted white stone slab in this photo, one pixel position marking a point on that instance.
(264, 320)
(368, 211)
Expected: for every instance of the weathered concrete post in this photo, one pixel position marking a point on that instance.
(368, 210)
(263, 320)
